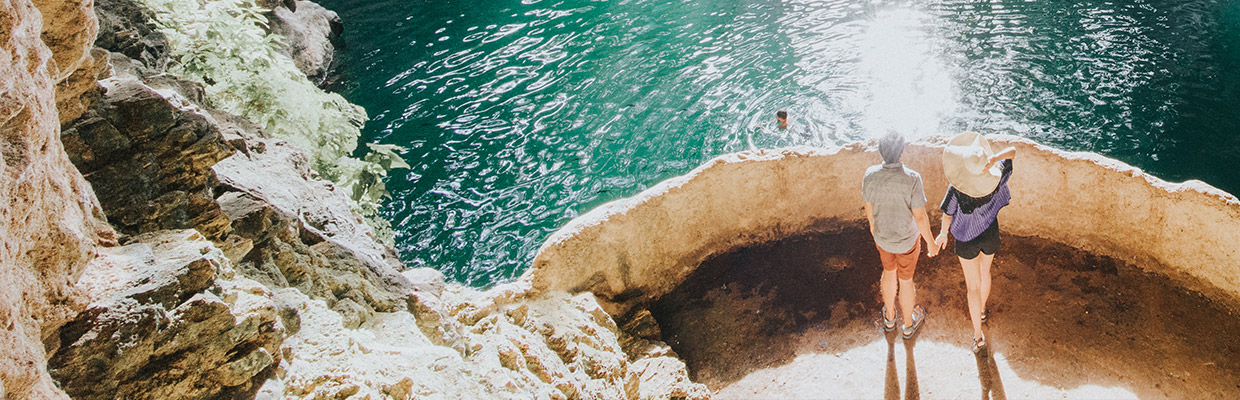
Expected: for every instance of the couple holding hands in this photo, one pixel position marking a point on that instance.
(895, 208)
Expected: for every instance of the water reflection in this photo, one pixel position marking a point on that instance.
(910, 89)
(520, 116)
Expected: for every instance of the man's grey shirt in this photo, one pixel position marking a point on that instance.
(894, 191)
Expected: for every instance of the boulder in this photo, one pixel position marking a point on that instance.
(305, 232)
(168, 319)
(126, 27)
(148, 156)
(312, 36)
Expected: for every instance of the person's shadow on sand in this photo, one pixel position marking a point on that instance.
(988, 374)
(892, 389)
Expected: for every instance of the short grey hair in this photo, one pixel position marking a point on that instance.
(891, 146)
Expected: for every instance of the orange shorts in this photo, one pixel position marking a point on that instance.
(904, 264)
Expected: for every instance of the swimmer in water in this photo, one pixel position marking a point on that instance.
(781, 121)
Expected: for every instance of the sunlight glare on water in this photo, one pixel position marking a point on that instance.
(520, 115)
(909, 87)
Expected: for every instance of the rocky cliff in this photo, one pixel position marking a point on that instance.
(50, 222)
(229, 269)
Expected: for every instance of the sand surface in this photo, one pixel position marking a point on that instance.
(797, 320)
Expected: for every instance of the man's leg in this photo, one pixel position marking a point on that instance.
(908, 299)
(888, 286)
(908, 293)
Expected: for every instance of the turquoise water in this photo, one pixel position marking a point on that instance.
(520, 115)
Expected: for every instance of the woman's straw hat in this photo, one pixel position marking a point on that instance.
(964, 163)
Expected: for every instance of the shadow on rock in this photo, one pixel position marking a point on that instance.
(988, 374)
(741, 311)
(891, 387)
(911, 390)
(1071, 320)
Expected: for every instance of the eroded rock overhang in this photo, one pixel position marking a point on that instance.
(634, 250)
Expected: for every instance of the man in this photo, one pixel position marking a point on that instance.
(895, 206)
(781, 121)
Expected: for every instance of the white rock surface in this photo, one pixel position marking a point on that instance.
(498, 345)
(168, 318)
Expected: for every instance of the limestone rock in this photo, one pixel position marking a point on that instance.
(69, 29)
(427, 280)
(168, 319)
(161, 159)
(503, 345)
(149, 157)
(125, 26)
(641, 337)
(304, 231)
(50, 222)
(662, 378)
(312, 35)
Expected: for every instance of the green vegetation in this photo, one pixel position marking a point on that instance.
(224, 44)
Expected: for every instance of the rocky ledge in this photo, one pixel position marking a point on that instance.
(630, 252)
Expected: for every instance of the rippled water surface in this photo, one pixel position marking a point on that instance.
(520, 115)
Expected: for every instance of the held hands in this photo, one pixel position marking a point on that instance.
(932, 251)
(940, 242)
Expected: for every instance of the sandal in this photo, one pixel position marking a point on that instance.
(985, 316)
(919, 316)
(979, 344)
(888, 324)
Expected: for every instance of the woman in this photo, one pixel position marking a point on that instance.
(978, 178)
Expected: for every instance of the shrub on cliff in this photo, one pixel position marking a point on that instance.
(224, 45)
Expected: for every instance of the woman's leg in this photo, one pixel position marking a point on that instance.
(971, 269)
(984, 277)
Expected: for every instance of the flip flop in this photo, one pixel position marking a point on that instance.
(888, 325)
(919, 316)
(979, 344)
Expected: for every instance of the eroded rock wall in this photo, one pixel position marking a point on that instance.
(69, 29)
(237, 273)
(150, 160)
(50, 222)
(637, 249)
